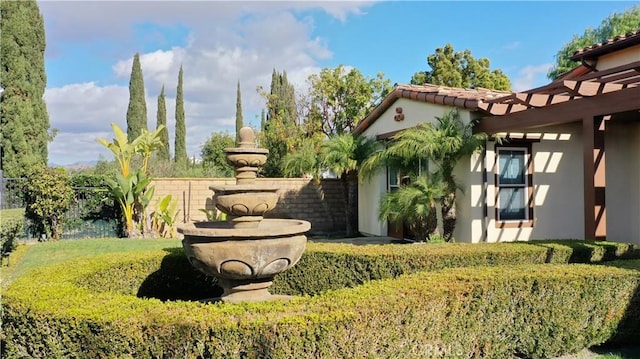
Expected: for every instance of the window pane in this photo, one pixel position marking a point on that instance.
(512, 202)
(423, 169)
(512, 167)
(393, 177)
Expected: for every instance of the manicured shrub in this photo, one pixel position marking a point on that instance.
(92, 307)
(11, 227)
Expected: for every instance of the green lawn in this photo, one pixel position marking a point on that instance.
(626, 353)
(41, 254)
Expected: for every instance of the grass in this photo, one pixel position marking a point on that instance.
(46, 253)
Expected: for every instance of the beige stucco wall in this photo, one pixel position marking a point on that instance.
(619, 58)
(557, 183)
(370, 191)
(558, 194)
(415, 112)
(622, 146)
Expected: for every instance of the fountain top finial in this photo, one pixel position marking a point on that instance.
(247, 137)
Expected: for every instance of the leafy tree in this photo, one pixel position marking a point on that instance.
(340, 98)
(48, 197)
(612, 26)
(163, 152)
(24, 121)
(92, 189)
(137, 111)
(180, 139)
(281, 133)
(460, 69)
(213, 155)
(443, 144)
(239, 121)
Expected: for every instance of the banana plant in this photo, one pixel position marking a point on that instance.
(121, 191)
(131, 188)
(165, 215)
(122, 149)
(148, 143)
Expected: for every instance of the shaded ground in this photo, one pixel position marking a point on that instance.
(358, 240)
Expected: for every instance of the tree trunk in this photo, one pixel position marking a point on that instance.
(350, 188)
(448, 216)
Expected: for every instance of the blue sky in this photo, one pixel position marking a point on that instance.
(90, 45)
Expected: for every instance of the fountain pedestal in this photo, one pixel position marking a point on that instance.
(246, 251)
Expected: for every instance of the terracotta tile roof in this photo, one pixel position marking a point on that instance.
(468, 99)
(608, 46)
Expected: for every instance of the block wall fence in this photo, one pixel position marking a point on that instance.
(321, 204)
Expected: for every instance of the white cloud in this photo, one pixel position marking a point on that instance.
(226, 42)
(512, 45)
(154, 64)
(530, 75)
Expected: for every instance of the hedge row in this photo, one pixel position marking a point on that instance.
(335, 266)
(171, 277)
(11, 227)
(91, 308)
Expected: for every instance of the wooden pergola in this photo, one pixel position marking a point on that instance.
(582, 95)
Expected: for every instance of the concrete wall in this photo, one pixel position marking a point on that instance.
(322, 205)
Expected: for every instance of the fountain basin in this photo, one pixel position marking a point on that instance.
(255, 203)
(246, 159)
(245, 260)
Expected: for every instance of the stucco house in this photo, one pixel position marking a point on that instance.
(570, 165)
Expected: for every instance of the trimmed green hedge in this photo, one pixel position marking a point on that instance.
(11, 227)
(90, 307)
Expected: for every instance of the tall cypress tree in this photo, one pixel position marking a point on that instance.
(163, 152)
(239, 121)
(280, 129)
(180, 140)
(137, 111)
(23, 113)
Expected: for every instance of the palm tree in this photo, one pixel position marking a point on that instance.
(343, 154)
(442, 144)
(303, 161)
(415, 204)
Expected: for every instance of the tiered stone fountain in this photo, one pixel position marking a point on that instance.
(246, 251)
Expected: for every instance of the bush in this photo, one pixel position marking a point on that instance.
(98, 308)
(48, 196)
(11, 228)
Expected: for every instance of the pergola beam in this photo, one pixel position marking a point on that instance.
(623, 100)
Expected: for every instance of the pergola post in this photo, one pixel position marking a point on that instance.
(594, 163)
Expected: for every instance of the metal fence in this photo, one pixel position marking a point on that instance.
(76, 226)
